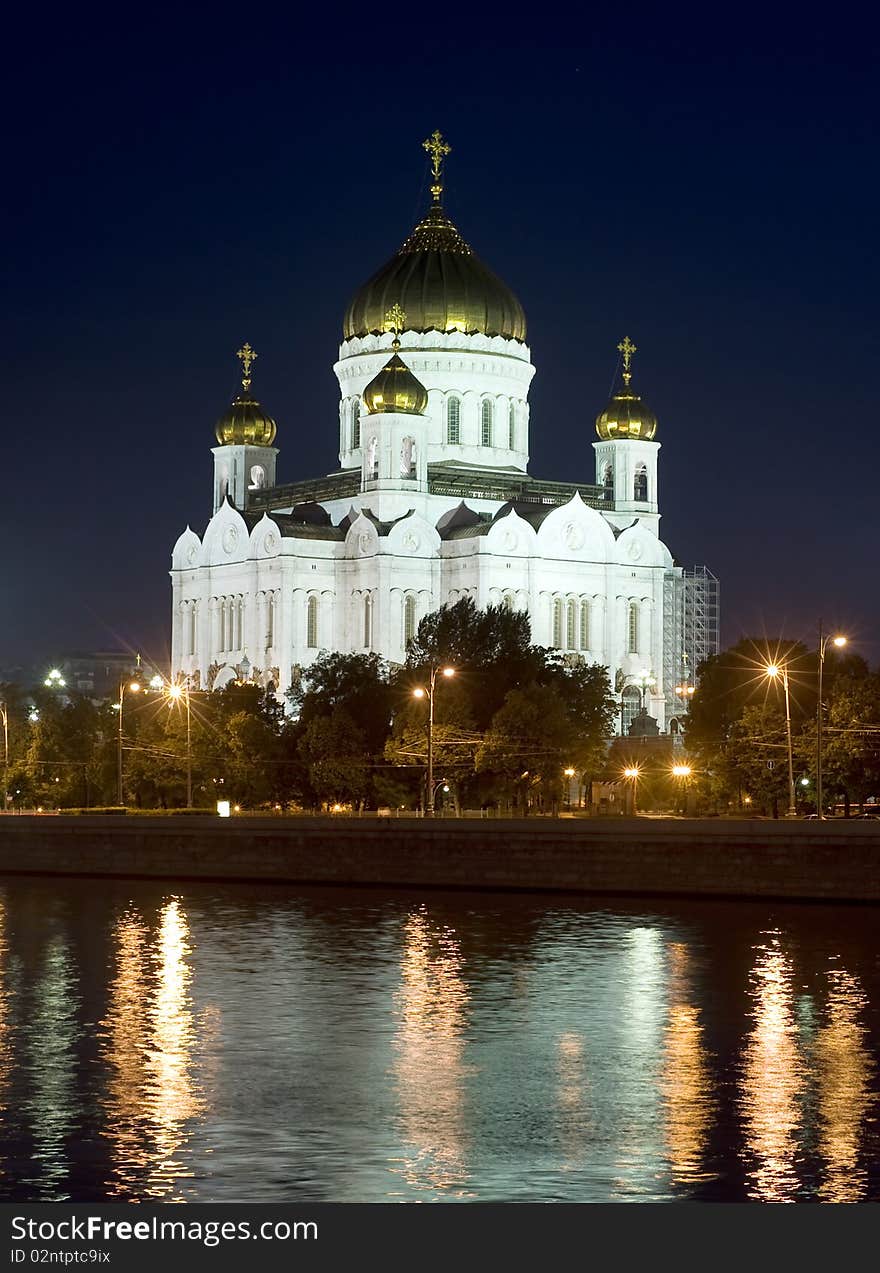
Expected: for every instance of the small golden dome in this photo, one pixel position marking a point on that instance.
(395, 389)
(626, 416)
(245, 423)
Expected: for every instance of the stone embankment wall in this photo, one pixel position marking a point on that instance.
(831, 861)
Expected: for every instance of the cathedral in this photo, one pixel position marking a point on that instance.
(433, 501)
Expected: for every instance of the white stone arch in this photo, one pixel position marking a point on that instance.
(265, 539)
(511, 536)
(187, 552)
(636, 546)
(574, 531)
(412, 536)
(362, 539)
(226, 538)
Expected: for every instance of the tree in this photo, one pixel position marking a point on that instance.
(334, 750)
(531, 738)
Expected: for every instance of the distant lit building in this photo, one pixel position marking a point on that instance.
(432, 501)
(96, 674)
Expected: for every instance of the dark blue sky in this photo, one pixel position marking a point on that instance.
(176, 185)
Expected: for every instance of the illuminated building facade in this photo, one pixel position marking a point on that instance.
(432, 500)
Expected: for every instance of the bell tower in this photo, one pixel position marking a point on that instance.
(244, 461)
(626, 453)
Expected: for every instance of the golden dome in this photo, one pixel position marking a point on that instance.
(395, 389)
(245, 423)
(443, 286)
(626, 416)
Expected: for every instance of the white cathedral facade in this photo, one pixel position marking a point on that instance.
(432, 502)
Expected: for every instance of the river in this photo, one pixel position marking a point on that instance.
(233, 1043)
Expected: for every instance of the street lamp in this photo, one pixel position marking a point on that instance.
(134, 688)
(838, 641)
(775, 671)
(683, 771)
(5, 716)
(421, 692)
(632, 773)
(176, 693)
(55, 681)
(644, 682)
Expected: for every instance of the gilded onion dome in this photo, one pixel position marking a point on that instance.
(245, 422)
(626, 416)
(438, 279)
(395, 388)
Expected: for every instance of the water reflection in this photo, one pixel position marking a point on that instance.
(572, 1099)
(845, 1069)
(150, 1036)
(429, 1067)
(686, 1082)
(773, 1082)
(51, 1063)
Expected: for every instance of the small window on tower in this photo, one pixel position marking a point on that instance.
(511, 426)
(409, 620)
(640, 484)
(633, 632)
(355, 424)
(486, 423)
(312, 623)
(453, 421)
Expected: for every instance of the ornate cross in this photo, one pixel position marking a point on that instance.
(627, 348)
(247, 356)
(438, 149)
(395, 320)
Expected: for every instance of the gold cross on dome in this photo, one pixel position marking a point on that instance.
(627, 348)
(438, 149)
(247, 356)
(395, 319)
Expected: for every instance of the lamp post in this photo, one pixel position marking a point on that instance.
(839, 641)
(632, 773)
(420, 692)
(5, 716)
(683, 772)
(775, 671)
(176, 693)
(645, 682)
(134, 687)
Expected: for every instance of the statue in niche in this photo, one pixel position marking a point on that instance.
(408, 458)
(212, 675)
(373, 459)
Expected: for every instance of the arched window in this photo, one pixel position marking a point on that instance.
(355, 424)
(486, 423)
(632, 643)
(409, 620)
(608, 481)
(453, 421)
(557, 623)
(570, 625)
(368, 621)
(270, 619)
(373, 459)
(640, 484)
(312, 623)
(585, 625)
(630, 706)
(511, 426)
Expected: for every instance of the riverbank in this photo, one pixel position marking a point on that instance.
(818, 861)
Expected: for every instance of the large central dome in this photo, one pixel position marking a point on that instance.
(443, 286)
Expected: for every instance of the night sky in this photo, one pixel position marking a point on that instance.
(178, 185)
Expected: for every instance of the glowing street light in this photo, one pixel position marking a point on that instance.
(421, 692)
(632, 774)
(55, 681)
(176, 694)
(775, 671)
(133, 687)
(839, 642)
(683, 772)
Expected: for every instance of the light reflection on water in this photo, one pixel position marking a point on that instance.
(246, 1044)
